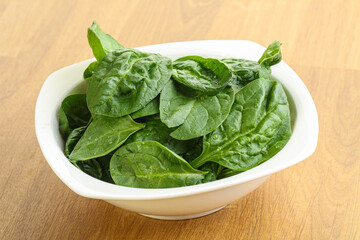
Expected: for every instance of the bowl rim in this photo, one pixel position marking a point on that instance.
(84, 184)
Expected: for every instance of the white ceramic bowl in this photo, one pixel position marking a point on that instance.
(183, 202)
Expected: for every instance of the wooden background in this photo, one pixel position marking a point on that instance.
(316, 199)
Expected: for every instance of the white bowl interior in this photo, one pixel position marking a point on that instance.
(69, 80)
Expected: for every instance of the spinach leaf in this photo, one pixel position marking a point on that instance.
(157, 131)
(73, 139)
(212, 170)
(194, 116)
(89, 71)
(226, 172)
(257, 127)
(192, 121)
(264, 71)
(151, 165)
(90, 167)
(150, 109)
(244, 70)
(104, 163)
(126, 80)
(98, 168)
(195, 150)
(101, 45)
(73, 114)
(272, 55)
(207, 75)
(104, 135)
(100, 42)
(175, 104)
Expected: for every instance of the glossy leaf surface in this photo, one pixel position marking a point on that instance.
(257, 127)
(90, 167)
(73, 139)
(126, 80)
(212, 170)
(89, 71)
(150, 109)
(103, 135)
(207, 75)
(73, 113)
(151, 165)
(272, 55)
(244, 71)
(100, 42)
(157, 131)
(194, 116)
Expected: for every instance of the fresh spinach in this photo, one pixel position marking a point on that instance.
(207, 75)
(103, 135)
(125, 81)
(90, 167)
(104, 163)
(73, 139)
(150, 109)
(244, 71)
(272, 55)
(193, 116)
(73, 113)
(149, 164)
(212, 169)
(89, 71)
(190, 127)
(195, 150)
(226, 172)
(257, 127)
(157, 131)
(175, 104)
(97, 168)
(100, 42)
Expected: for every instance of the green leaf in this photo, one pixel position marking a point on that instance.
(175, 105)
(272, 54)
(90, 167)
(100, 42)
(257, 127)
(98, 168)
(151, 165)
(73, 139)
(195, 150)
(150, 109)
(226, 172)
(157, 131)
(104, 135)
(89, 71)
(64, 124)
(245, 71)
(104, 163)
(264, 71)
(212, 170)
(194, 116)
(126, 80)
(206, 75)
(73, 114)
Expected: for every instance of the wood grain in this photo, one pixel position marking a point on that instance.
(316, 199)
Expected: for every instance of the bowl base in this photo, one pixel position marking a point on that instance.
(183, 217)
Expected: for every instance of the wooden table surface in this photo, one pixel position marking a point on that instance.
(316, 199)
